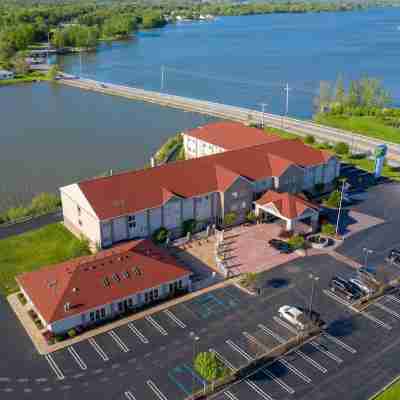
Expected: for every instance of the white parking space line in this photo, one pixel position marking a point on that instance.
(277, 380)
(54, 367)
(156, 325)
(77, 358)
(377, 321)
(230, 395)
(296, 371)
(340, 343)
(329, 354)
(118, 341)
(336, 298)
(258, 390)
(156, 390)
(252, 339)
(387, 309)
(286, 325)
(268, 331)
(314, 363)
(98, 349)
(175, 319)
(237, 348)
(139, 334)
(223, 360)
(129, 395)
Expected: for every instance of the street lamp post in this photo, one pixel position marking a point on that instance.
(314, 279)
(263, 105)
(195, 339)
(366, 252)
(340, 207)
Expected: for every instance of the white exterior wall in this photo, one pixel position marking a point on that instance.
(172, 214)
(78, 212)
(197, 148)
(155, 219)
(139, 228)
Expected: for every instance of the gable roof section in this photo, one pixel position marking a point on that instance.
(289, 205)
(80, 282)
(232, 135)
(134, 191)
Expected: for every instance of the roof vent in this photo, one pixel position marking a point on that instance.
(75, 290)
(67, 307)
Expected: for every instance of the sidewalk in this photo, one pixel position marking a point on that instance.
(43, 348)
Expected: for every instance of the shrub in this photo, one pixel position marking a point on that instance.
(309, 139)
(342, 148)
(160, 235)
(334, 199)
(249, 279)
(230, 218)
(296, 242)
(189, 226)
(71, 333)
(328, 230)
(209, 367)
(251, 216)
(44, 203)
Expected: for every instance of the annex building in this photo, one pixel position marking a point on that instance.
(88, 290)
(229, 166)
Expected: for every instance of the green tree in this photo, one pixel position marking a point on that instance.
(208, 366)
(152, 19)
(340, 92)
(323, 101)
(342, 148)
(230, 218)
(296, 242)
(334, 199)
(309, 139)
(328, 230)
(20, 65)
(44, 203)
(53, 72)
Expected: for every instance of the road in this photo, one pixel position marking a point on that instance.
(246, 115)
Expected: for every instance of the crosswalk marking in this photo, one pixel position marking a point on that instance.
(340, 343)
(77, 358)
(277, 380)
(237, 348)
(139, 334)
(258, 390)
(156, 325)
(292, 368)
(329, 354)
(129, 395)
(98, 349)
(54, 367)
(175, 319)
(118, 341)
(156, 390)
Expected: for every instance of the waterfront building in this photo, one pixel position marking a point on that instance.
(4, 75)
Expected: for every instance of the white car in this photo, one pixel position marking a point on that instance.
(361, 286)
(292, 315)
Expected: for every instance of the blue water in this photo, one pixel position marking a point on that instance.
(247, 60)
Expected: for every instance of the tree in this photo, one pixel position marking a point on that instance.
(44, 203)
(309, 139)
(340, 93)
(342, 148)
(323, 100)
(20, 65)
(53, 72)
(251, 217)
(208, 366)
(152, 19)
(160, 235)
(328, 230)
(296, 242)
(230, 218)
(334, 199)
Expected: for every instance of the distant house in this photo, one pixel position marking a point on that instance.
(87, 290)
(4, 75)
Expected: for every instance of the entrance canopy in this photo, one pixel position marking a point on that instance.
(289, 207)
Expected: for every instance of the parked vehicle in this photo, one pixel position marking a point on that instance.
(293, 315)
(394, 257)
(361, 286)
(280, 245)
(342, 285)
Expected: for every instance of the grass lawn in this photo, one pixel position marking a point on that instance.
(391, 393)
(30, 251)
(368, 126)
(32, 77)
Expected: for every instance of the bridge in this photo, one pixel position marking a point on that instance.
(357, 142)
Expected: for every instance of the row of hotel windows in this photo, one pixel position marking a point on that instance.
(149, 296)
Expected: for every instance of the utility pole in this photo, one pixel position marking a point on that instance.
(340, 207)
(314, 280)
(263, 105)
(366, 252)
(162, 77)
(287, 89)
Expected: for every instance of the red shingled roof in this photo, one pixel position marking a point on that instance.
(232, 135)
(289, 205)
(80, 281)
(134, 191)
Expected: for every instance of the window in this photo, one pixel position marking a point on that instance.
(103, 313)
(171, 287)
(130, 303)
(97, 315)
(120, 306)
(116, 277)
(132, 225)
(79, 210)
(131, 218)
(180, 284)
(244, 205)
(146, 297)
(79, 222)
(92, 316)
(235, 195)
(155, 293)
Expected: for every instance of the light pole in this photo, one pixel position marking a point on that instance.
(366, 252)
(195, 339)
(263, 105)
(162, 77)
(340, 207)
(314, 279)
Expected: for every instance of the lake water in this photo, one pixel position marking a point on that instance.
(51, 136)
